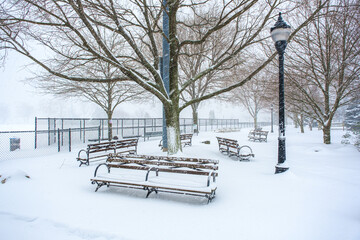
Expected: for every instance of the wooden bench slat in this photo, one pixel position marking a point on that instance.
(159, 169)
(164, 163)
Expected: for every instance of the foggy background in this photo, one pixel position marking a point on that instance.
(20, 102)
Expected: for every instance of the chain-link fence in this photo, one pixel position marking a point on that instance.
(61, 134)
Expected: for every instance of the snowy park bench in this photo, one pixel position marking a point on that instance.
(185, 139)
(188, 176)
(99, 151)
(231, 148)
(258, 135)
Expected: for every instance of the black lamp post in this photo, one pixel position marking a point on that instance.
(280, 34)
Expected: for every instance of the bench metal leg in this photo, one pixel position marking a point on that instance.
(210, 197)
(84, 162)
(99, 185)
(150, 190)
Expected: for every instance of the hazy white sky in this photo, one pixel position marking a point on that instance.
(21, 103)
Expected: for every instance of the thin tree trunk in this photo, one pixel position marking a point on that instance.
(109, 113)
(296, 120)
(195, 118)
(326, 134)
(301, 123)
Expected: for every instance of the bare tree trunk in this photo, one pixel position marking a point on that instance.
(326, 133)
(296, 121)
(195, 115)
(311, 124)
(301, 123)
(109, 113)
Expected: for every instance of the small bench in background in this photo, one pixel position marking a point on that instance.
(185, 139)
(231, 147)
(258, 135)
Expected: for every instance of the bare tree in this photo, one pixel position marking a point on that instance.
(196, 58)
(107, 95)
(85, 24)
(324, 63)
(252, 95)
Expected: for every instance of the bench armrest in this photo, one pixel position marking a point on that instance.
(82, 150)
(100, 166)
(212, 173)
(151, 169)
(245, 156)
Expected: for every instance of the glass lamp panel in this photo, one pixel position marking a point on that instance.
(280, 34)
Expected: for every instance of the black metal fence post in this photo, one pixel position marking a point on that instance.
(122, 128)
(138, 127)
(84, 131)
(58, 139)
(49, 131)
(62, 132)
(54, 130)
(99, 135)
(144, 133)
(102, 127)
(36, 132)
(117, 127)
(69, 139)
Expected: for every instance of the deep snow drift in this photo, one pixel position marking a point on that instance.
(50, 197)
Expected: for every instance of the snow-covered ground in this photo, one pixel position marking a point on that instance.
(318, 198)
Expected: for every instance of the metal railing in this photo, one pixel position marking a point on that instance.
(58, 134)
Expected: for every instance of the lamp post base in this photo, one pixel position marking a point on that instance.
(280, 169)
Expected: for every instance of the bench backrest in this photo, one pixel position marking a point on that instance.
(258, 132)
(265, 133)
(186, 136)
(228, 142)
(196, 166)
(126, 143)
(112, 145)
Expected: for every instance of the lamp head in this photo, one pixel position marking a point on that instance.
(281, 31)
